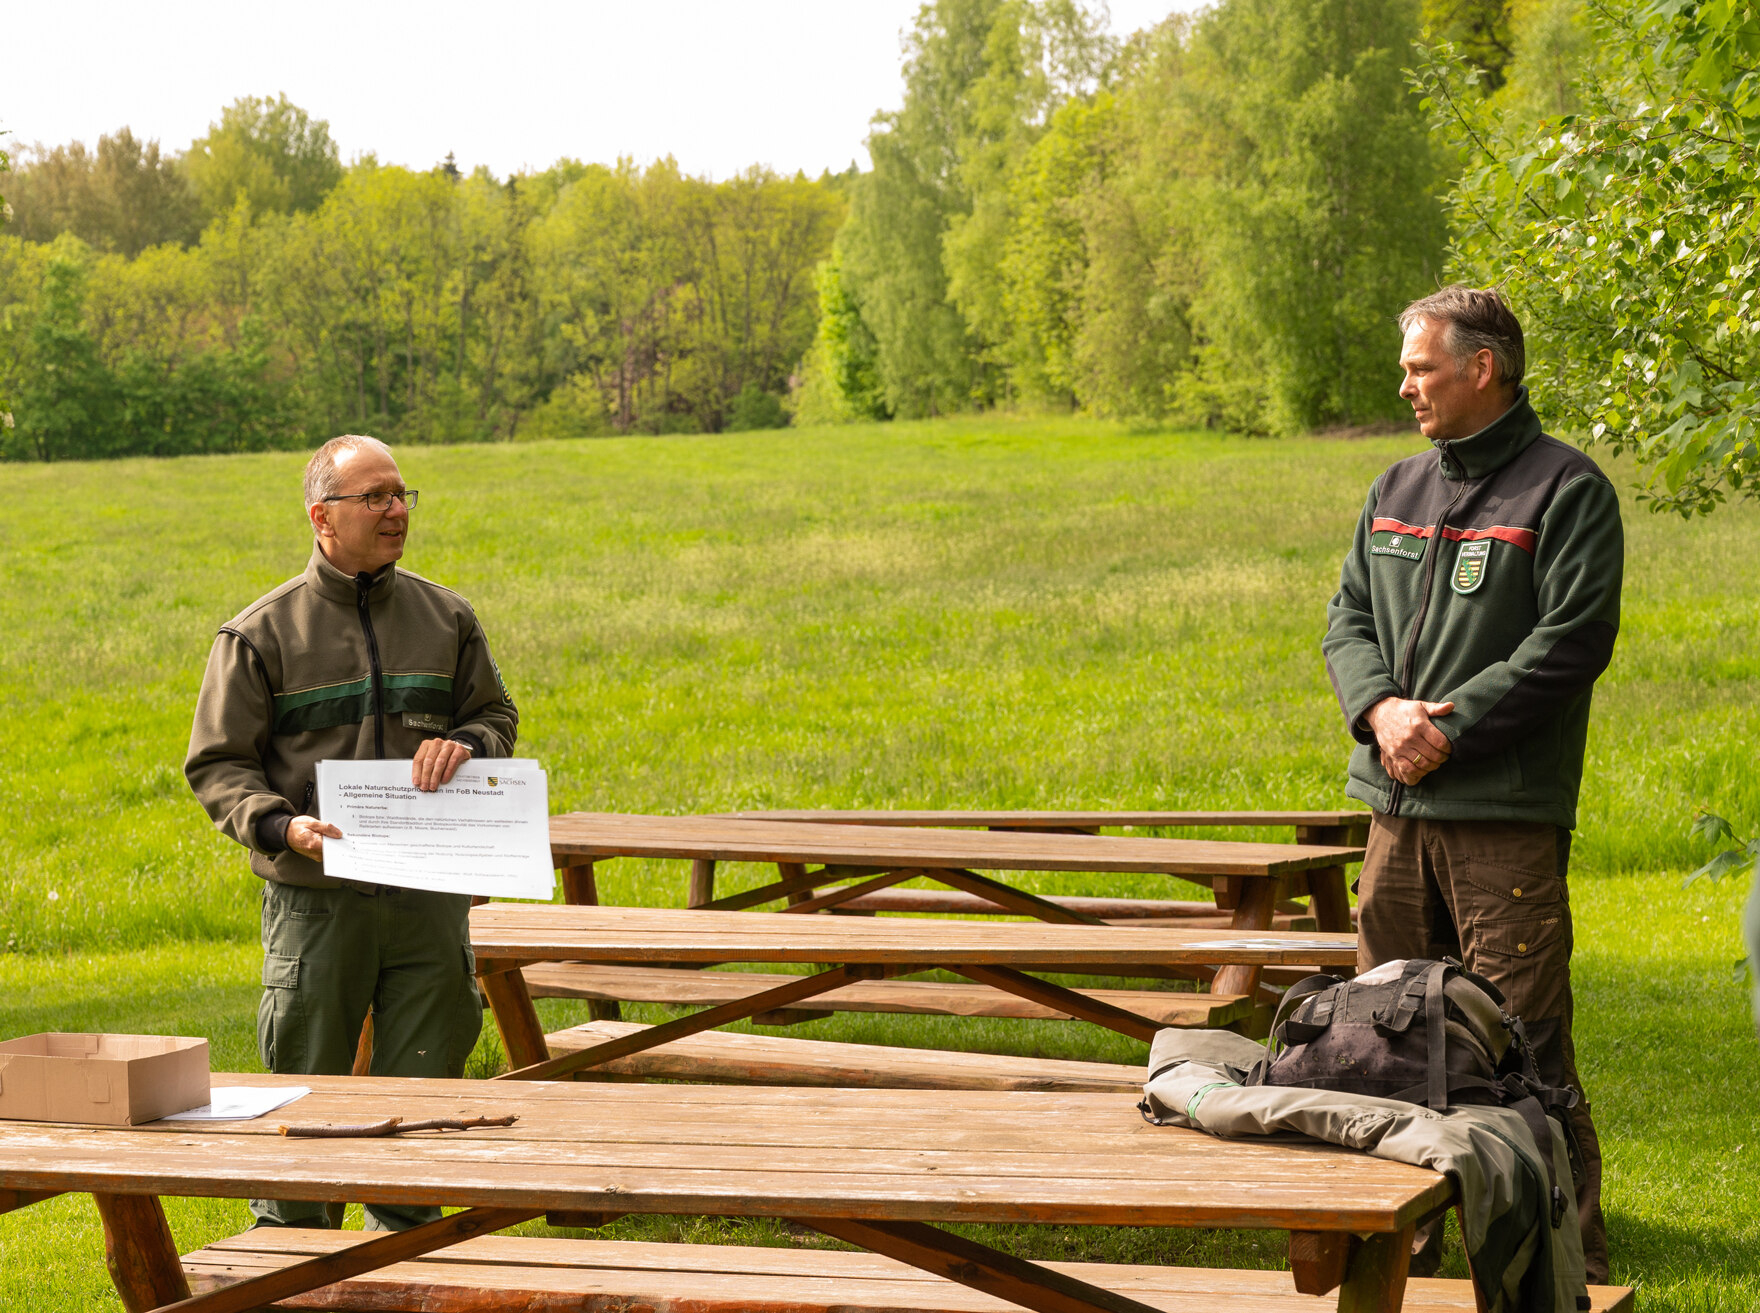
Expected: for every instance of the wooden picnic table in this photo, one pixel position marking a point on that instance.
(875, 1168)
(509, 936)
(1248, 878)
(1326, 827)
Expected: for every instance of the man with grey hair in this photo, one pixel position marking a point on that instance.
(352, 659)
(1476, 608)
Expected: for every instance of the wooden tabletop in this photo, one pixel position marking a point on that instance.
(1060, 820)
(564, 932)
(929, 1155)
(724, 839)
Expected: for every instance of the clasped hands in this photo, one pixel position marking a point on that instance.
(436, 762)
(1411, 746)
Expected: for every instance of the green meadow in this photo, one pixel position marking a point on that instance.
(982, 613)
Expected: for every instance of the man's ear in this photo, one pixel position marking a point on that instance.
(1485, 366)
(319, 514)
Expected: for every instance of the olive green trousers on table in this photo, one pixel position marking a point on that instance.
(330, 955)
(1493, 895)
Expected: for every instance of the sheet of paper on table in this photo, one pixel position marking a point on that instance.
(241, 1103)
(487, 832)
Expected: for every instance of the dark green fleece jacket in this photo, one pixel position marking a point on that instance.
(332, 667)
(1485, 573)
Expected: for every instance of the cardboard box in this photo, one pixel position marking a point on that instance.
(111, 1080)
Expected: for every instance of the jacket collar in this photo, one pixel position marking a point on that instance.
(333, 584)
(1493, 446)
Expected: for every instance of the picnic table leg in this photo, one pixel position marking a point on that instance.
(581, 889)
(10, 1199)
(1076, 1004)
(363, 1049)
(578, 885)
(786, 871)
(1319, 1260)
(384, 1249)
(1376, 1281)
(796, 989)
(139, 1252)
(1328, 888)
(702, 884)
(1329, 899)
(1254, 911)
(978, 1266)
(521, 1032)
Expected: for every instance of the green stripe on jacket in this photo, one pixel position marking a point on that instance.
(351, 703)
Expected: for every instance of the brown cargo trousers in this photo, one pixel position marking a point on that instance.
(1493, 894)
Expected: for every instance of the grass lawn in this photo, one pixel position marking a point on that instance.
(986, 614)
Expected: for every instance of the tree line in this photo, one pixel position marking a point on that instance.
(1213, 221)
(254, 293)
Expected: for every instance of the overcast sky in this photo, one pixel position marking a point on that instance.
(719, 84)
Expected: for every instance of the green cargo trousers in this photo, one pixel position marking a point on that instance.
(1491, 894)
(331, 954)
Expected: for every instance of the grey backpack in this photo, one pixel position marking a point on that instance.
(1437, 1034)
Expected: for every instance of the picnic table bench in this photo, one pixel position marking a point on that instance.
(877, 1168)
(494, 1273)
(728, 1058)
(510, 937)
(1322, 828)
(1248, 878)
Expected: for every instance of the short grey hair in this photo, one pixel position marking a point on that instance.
(321, 474)
(1478, 319)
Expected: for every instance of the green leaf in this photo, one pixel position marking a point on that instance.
(1712, 828)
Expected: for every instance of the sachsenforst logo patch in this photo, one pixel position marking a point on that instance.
(1470, 563)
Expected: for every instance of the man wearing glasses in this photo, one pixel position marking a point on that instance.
(353, 659)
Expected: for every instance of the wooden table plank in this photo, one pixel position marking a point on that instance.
(869, 1154)
(739, 1059)
(725, 1278)
(1058, 820)
(519, 932)
(932, 998)
(597, 835)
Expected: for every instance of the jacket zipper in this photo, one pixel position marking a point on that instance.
(1408, 667)
(363, 584)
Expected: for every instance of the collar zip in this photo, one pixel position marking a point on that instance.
(1451, 468)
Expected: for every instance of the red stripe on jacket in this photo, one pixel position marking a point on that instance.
(1526, 539)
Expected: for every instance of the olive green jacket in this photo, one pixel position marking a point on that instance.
(1522, 1260)
(1485, 572)
(328, 667)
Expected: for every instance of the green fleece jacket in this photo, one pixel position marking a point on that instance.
(1485, 573)
(332, 667)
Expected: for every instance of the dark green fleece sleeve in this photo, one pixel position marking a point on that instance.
(484, 717)
(1354, 660)
(1579, 562)
(228, 741)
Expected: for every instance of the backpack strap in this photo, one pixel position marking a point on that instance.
(1479, 980)
(1397, 1015)
(1523, 1102)
(1436, 1033)
(1285, 1031)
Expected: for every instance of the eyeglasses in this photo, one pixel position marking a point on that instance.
(380, 501)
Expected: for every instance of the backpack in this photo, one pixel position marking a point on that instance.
(1434, 1034)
